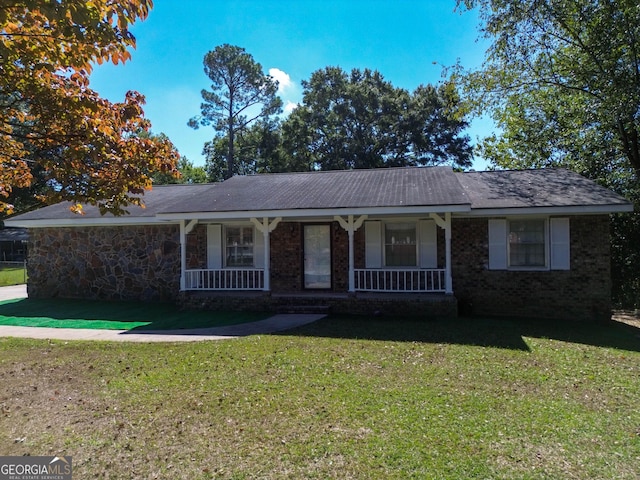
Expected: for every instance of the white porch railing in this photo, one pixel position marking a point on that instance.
(394, 280)
(225, 279)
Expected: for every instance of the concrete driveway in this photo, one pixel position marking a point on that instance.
(14, 291)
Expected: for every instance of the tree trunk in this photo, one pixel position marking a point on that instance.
(229, 171)
(630, 145)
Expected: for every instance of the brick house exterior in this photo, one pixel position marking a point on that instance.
(420, 241)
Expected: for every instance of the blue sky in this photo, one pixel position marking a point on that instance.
(407, 41)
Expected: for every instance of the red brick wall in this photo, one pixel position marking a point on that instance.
(340, 258)
(286, 257)
(287, 268)
(197, 247)
(580, 293)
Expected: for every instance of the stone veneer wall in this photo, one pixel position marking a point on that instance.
(582, 293)
(112, 263)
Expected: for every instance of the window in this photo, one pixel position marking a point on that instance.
(536, 244)
(239, 246)
(527, 243)
(400, 244)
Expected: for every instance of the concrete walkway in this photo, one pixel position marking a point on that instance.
(273, 324)
(14, 291)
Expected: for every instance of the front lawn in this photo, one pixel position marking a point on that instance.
(12, 276)
(70, 313)
(341, 398)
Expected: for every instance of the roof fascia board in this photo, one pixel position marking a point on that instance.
(316, 212)
(89, 222)
(565, 210)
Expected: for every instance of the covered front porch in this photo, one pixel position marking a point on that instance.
(319, 254)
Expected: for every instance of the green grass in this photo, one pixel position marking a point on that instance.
(67, 313)
(11, 276)
(340, 398)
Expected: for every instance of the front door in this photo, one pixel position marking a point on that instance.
(317, 256)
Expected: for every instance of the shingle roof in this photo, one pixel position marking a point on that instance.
(157, 200)
(535, 188)
(388, 187)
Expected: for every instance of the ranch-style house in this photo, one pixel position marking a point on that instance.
(424, 241)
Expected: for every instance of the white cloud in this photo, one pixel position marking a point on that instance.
(287, 90)
(290, 107)
(283, 78)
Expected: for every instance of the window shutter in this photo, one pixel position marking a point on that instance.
(373, 244)
(214, 246)
(497, 244)
(258, 248)
(560, 244)
(428, 233)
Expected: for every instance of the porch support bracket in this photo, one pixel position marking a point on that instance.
(190, 226)
(445, 224)
(185, 229)
(351, 225)
(266, 228)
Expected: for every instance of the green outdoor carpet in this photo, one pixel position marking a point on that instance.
(63, 313)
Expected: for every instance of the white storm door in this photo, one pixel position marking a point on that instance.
(317, 256)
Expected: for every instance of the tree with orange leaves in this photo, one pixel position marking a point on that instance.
(84, 148)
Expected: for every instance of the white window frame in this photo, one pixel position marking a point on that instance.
(545, 223)
(385, 244)
(499, 245)
(225, 246)
(375, 241)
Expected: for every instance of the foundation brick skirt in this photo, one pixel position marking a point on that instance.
(414, 305)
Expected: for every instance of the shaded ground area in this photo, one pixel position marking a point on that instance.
(621, 333)
(345, 397)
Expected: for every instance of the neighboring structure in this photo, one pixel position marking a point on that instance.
(13, 244)
(425, 241)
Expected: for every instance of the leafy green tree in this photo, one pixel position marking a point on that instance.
(562, 81)
(360, 120)
(240, 94)
(188, 173)
(562, 76)
(257, 150)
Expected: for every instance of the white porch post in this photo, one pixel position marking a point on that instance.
(185, 228)
(266, 228)
(447, 236)
(183, 255)
(350, 226)
(446, 225)
(267, 256)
